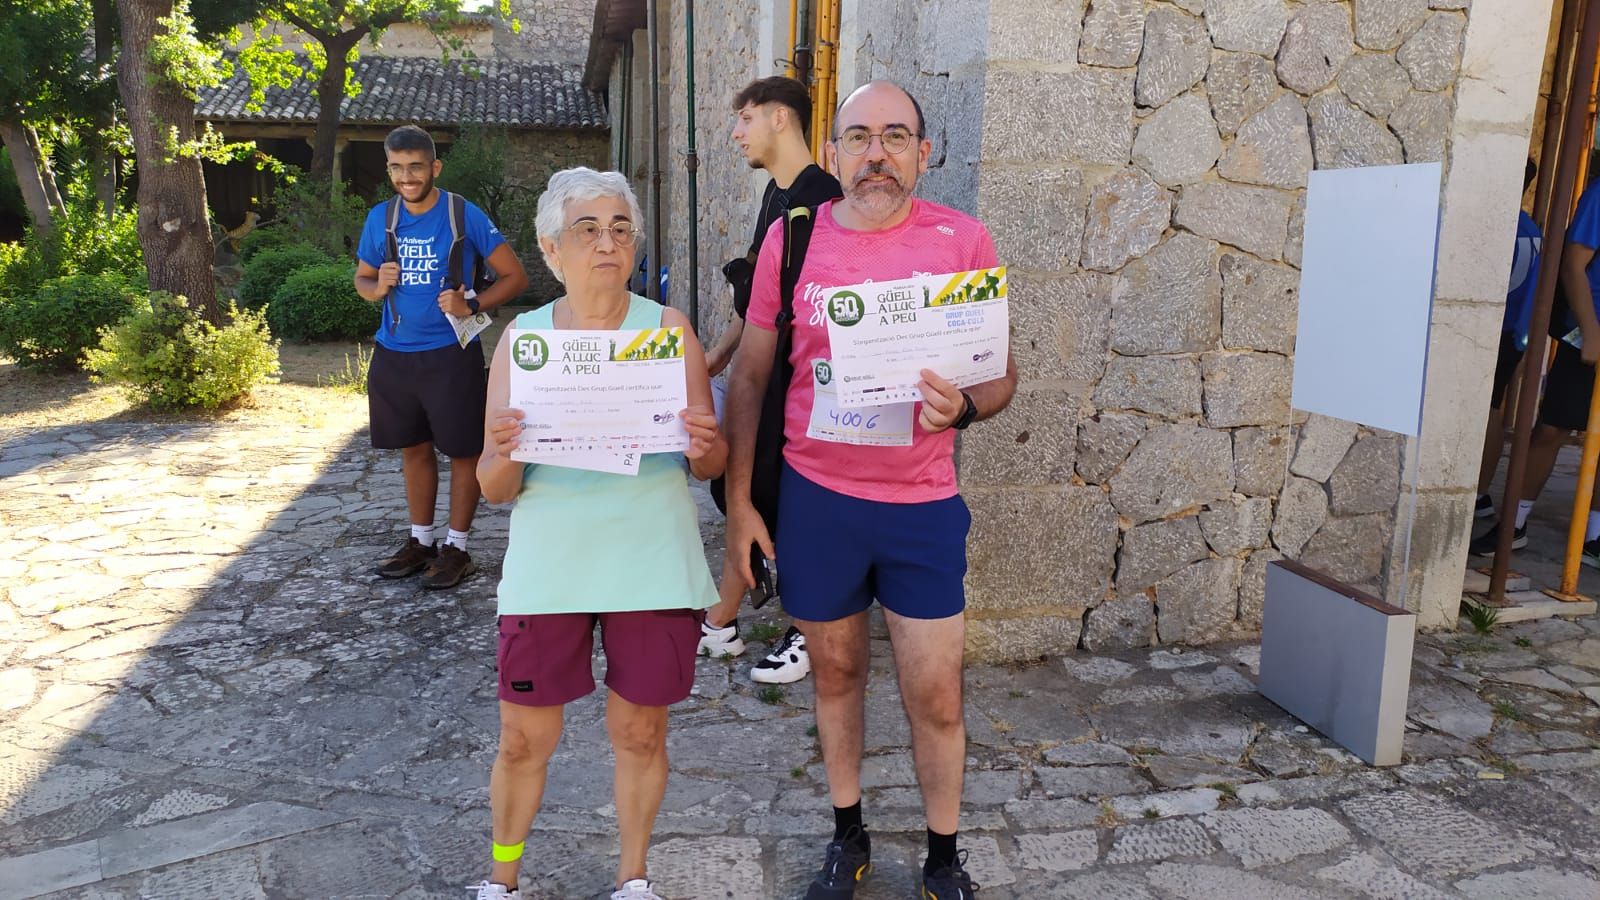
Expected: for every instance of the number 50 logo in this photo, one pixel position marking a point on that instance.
(846, 308)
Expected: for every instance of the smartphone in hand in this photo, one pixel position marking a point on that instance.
(766, 582)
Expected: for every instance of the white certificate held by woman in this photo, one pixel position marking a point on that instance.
(598, 390)
(884, 333)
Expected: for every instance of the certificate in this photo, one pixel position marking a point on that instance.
(598, 390)
(885, 333)
(871, 426)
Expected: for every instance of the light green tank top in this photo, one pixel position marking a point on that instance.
(585, 541)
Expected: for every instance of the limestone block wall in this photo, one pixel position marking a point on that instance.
(533, 156)
(552, 31)
(1142, 167)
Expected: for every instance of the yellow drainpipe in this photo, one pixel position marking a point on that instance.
(794, 28)
(824, 90)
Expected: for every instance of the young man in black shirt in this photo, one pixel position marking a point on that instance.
(772, 118)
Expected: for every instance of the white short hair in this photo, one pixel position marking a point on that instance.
(579, 184)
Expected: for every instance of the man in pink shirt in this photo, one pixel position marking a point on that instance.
(858, 521)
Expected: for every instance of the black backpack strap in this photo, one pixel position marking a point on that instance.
(391, 217)
(796, 239)
(458, 235)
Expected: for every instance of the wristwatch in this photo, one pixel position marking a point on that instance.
(472, 305)
(968, 414)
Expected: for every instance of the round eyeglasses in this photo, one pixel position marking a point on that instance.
(589, 231)
(855, 141)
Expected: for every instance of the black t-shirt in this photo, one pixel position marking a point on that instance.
(812, 187)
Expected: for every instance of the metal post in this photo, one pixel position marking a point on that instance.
(652, 277)
(1580, 503)
(1567, 159)
(691, 162)
(1555, 110)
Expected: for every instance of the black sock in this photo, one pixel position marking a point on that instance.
(846, 817)
(941, 852)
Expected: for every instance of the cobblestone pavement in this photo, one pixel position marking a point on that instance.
(203, 693)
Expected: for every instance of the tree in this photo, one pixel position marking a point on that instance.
(337, 27)
(162, 65)
(42, 71)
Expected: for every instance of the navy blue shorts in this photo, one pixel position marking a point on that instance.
(836, 553)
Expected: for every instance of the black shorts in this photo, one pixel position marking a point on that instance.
(1567, 390)
(430, 395)
(1504, 367)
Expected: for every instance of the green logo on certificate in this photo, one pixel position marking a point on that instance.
(824, 372)
(530, 352)
(846, 308)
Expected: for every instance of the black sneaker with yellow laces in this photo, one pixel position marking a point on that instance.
(847, 861)
(950, 883)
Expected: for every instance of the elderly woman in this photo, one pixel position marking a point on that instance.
(579, 542)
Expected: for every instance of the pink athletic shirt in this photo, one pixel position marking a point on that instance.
(933, 240)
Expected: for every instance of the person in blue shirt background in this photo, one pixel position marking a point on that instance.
(1513, 341)
(425, 391)
(1570, 383)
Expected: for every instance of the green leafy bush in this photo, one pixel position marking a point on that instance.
(82, 242)
(266, 271)
(51, 327)
(330, 219)
(320, 303)
(168, 357)
(265, 238)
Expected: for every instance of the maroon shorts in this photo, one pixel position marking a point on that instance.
(546, 660)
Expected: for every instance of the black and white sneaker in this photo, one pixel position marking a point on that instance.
(1484, 507)
(1591, 553)
(846, 863)
(788, 662)
(1485, 545)
(951, 883)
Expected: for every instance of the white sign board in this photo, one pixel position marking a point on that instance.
(1366, 294)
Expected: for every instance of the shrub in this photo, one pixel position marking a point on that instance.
(320, 303)
(168, 357)
(51, 327)
(267, 270)
(83, 242)
(265, 238)
(330, 219)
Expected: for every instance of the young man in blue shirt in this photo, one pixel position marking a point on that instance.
(425, 391)
(1570, 383)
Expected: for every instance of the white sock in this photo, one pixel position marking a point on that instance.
(1593, 531)
(1523, 508)
(423, 534)
(457, 539)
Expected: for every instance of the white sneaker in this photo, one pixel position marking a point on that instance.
(488, 890)
(719, 642)
(637, 889)
(787, 662)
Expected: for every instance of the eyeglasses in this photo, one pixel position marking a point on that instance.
(415, 170)
(589, 231)
(855, 141)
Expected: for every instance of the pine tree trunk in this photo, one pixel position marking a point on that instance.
(174, 226)
(30, 171)
(330, 96)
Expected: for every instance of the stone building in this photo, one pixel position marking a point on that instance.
(1142, 166)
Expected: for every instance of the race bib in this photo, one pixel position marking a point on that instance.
(471, 326)
(870, 426)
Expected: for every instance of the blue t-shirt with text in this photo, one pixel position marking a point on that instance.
(1585, 231)
(424, 250)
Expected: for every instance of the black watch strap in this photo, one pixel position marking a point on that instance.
(472, 305)
(968, 414)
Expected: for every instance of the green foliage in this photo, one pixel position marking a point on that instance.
(328, 219)
(82, 243)
(168, 357)
(179, 57)
(10, 190)
(320, 303)
(41, 44)
(353, 377)
(1482, 616)
(51, 327)
(265, 238)
(266, 271)
(476, 168)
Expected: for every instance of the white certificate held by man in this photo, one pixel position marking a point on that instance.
(885, 333)
(598, 390)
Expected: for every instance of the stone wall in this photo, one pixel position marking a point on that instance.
(1153, 232)
(1142, 165)
(531, 158)
(552, 31)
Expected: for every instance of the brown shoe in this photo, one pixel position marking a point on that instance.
(412, 558)
(447, 571)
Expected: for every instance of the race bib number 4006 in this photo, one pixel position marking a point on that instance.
(873, 426)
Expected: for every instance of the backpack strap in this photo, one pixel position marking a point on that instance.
(391, 218)
(458, 235)
(796, 238)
